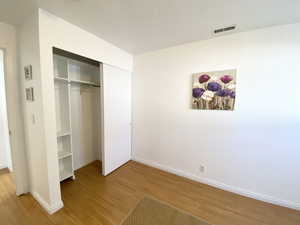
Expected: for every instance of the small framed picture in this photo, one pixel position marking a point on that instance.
(28, 72)
(29, 94)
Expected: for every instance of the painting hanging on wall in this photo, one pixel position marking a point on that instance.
(214, 90)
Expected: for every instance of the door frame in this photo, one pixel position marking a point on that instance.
(18, 156)
(7, 152)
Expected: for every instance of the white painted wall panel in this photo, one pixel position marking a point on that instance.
(33, 112)
(55, 32)
(255, 148)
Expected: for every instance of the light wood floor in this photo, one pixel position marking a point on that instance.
(94, 200)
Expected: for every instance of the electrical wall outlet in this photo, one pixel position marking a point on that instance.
(202, 169)
(33, 119)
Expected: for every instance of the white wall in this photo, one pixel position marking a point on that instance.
(55, 32)
(5, 154)
(39, 34)
(253, 150)
(8, 43)
(33, 111)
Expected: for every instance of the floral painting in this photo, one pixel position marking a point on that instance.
(214, 90)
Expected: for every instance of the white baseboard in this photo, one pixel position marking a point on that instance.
(50, 209)
(240, 191)
(2, 167)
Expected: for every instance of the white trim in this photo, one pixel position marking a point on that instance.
(125, 70)
(236, 190)
(17, 142)
(2, 167)
(50, 209)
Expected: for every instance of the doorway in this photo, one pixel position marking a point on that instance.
(5, 148)
(11, 93)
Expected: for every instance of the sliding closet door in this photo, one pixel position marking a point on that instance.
(116, 118)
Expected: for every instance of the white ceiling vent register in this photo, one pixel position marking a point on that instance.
(224, 30)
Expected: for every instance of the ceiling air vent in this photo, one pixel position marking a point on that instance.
(224, 29)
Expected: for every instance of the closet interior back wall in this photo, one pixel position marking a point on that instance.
(85, 120)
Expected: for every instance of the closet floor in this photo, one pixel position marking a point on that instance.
(93, 199)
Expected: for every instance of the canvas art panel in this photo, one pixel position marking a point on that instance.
(214, 90)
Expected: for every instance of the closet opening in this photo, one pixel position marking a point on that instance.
(77, 83)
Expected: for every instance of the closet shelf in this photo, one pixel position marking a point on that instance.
(63, 133)
(60, 79)
(65, 174)
(65, 154)
(85, 82)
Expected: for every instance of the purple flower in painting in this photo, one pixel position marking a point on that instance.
(204, 78)
(198, 92)
(226, 79)
(232, 94)
(213, 86)
(224, 92)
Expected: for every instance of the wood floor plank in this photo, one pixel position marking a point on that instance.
(93, 199)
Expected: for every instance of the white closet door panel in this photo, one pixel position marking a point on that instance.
(116, 118)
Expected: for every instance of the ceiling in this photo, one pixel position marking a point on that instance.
(138, 26)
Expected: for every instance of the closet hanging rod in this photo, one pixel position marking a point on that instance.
(84, 83)
(91, 85)
(79, 82)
